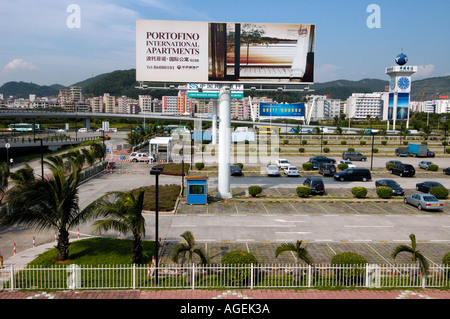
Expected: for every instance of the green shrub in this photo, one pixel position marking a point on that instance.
(240, 165)
(354, 275)
(447, 150)
(307, 166)
(199, 166)
(424, 142)
(384, 192)
(301, 150)
(304, 142)
(439, 191)
(325, 142)
(383, 142)
(375, 150)
(359, 192)
(446, 259)
(286, 142)
(362, 142)
(303, 191)
(238, 276)
(254, 190)
(342, 166)
(351, 149)
(433, 167)
(445, 143)
(326, 150)
(343, 142)
(405, 142)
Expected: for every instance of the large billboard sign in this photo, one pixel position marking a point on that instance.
(269, 110)
(215, 52)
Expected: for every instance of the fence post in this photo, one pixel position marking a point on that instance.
(193, 276)
(134, 276)
(12, 277)
(367, 276)
(251, 276)
(309, 275)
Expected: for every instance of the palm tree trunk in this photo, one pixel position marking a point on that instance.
(137, 249)
(63, 245)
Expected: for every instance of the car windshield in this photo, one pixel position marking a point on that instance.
(391, 183)
(284, 161)
(272, 167)
(292, 168)
(430, 198)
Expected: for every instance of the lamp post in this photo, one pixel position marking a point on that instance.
(42, 156)
(156, 171)
(371, 157)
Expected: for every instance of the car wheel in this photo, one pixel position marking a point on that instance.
(392, 172)
(348, 159)
(405, 200)
(419, 207)
(342, 179)
(134, 160)
(363, 159)
(401, 174)
(417, 188)
(364, 179)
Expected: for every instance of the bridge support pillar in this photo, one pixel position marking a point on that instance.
(87, 123)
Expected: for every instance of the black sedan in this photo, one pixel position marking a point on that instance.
(320, 159)
(426, 186)
(236, 170)
(396, 189)
(447, 171)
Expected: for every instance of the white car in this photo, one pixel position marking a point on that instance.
(425, 164)
(283, 163)
(139, 157)
(272, 170)
(291, 171)
(82, 130)
(349, 163)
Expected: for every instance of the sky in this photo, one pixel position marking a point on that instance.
(66, 41)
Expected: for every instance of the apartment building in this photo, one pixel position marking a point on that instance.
(109, 103)
(362, 105)
(169, 105)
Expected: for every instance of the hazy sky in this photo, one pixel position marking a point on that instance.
(45, 42)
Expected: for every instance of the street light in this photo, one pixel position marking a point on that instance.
(42, 156)
(371, 157)
(156, 171)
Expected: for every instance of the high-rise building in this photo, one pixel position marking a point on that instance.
(109, 103)
(362, 105)
(145, 104)
(169, 105)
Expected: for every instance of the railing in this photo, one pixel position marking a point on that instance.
(222, 276)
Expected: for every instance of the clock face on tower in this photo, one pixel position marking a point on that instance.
(403, 83)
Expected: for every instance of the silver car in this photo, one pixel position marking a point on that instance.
(425, 164)
(272, 170)
(291, 171)
(424, 201)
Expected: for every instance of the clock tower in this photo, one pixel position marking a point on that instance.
(399, 90)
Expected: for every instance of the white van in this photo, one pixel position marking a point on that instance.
(82, 130)
(139, 157)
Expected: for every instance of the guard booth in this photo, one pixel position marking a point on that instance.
(197, 190)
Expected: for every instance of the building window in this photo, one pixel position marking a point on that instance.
(196, 189)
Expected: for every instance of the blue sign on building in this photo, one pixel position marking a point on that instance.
(282, 110)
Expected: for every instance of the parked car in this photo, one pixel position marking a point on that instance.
(401, 151)
(349, 163)
(291, 171)
(320, 159)
(353, 174)
(353, 156)
(327, 169)
(426, 186)
(139, 157)
(235, 170)
(315, 184)
(283, 163)
(396, 189)
(272, 170)
(424, 201)
(446, 171)
(82, 130)
(403, 170)
(430, 153)
(425, 164)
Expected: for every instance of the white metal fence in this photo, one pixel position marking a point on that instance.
(222, 276)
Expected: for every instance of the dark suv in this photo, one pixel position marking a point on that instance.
(403, 169)
(327, 169)
(320, 159)
(315, 184)
(353, 156)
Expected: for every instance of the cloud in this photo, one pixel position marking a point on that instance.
(19, 64)
(424, 71)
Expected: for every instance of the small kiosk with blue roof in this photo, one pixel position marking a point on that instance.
(197, 190)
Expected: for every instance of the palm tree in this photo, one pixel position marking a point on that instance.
(416, 254)
(188, 248)
(46, 204)
(300, 253)
(122, 212)
(4, 174)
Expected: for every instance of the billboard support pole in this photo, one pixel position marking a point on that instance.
(214, 123)
(224, 142)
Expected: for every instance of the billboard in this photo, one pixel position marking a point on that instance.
(402, 106)
(268, 110)
(216, 52)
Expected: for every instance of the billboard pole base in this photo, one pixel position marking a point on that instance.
(224, 191)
